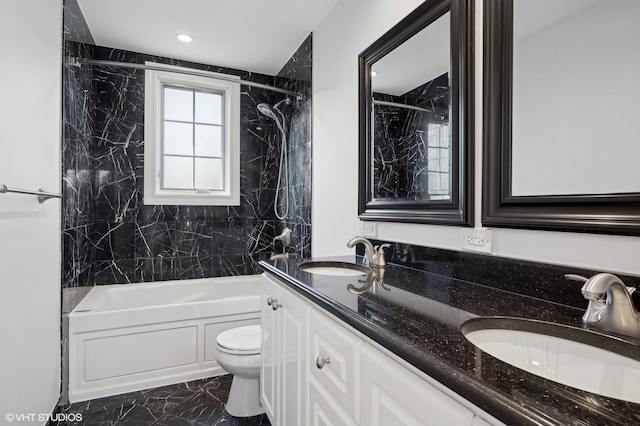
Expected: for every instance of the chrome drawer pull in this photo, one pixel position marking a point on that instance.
(320, 362)
(270, 300)
(275, 305)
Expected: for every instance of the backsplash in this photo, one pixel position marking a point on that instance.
(110, 236)
(539, 280)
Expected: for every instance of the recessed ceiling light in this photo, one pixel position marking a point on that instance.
(185, 38)
(373, 73)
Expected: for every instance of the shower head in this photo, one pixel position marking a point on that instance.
(267, 111)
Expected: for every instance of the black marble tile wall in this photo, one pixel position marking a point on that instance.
(78, 117)
(75, 26)
(411, 155)
(296, 76)
(110, 236)
(539, 280)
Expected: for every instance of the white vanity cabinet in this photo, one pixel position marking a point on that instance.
(318, 371)
(334, 364)
(393, 395)
(283, 380)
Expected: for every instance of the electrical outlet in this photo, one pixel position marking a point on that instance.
(477, 239)
(370, 229)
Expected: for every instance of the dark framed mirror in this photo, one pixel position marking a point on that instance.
(416, 118)
(561, 107)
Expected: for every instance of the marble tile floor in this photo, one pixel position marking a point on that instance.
(196, 403)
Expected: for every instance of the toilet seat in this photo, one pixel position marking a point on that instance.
(241, 340)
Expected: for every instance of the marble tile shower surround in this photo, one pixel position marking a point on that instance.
(296, 76)
(538, 280)
(75, 26)
(110, 236)
(401, 139)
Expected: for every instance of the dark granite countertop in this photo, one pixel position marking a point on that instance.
(419, 319)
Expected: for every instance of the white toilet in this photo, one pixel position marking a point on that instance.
(238, 352)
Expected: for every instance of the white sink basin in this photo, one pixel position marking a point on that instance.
(342, 269)
(606, 366)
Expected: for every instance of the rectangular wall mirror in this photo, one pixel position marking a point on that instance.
(561, 115)
(416, 109)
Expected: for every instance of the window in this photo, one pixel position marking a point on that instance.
(439, 161)
(192, 125)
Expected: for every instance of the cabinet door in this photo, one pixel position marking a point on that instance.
(323, 412)
(334, 362)
(293, 314)
(269, 369)
(393, 395)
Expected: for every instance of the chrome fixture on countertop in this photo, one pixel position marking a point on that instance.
(374, 255)
(610, 306)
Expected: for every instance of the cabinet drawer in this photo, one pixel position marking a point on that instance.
(392, 395)
(340, 375)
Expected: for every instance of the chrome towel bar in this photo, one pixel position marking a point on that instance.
(41, 193)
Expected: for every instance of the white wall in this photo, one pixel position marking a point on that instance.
(349, 29)
(30, 88)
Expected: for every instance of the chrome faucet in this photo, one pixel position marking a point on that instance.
(374, 255)
(610, 306)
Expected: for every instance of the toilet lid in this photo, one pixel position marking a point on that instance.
(242, 339)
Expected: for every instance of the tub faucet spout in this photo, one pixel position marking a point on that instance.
(374, 255)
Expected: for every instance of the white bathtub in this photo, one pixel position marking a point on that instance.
(124, 338)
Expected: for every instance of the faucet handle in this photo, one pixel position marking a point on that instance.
(379, 251)
(575, 277)
(595, 297)
(582, 279)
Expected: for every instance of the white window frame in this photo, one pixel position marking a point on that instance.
(153, 193)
